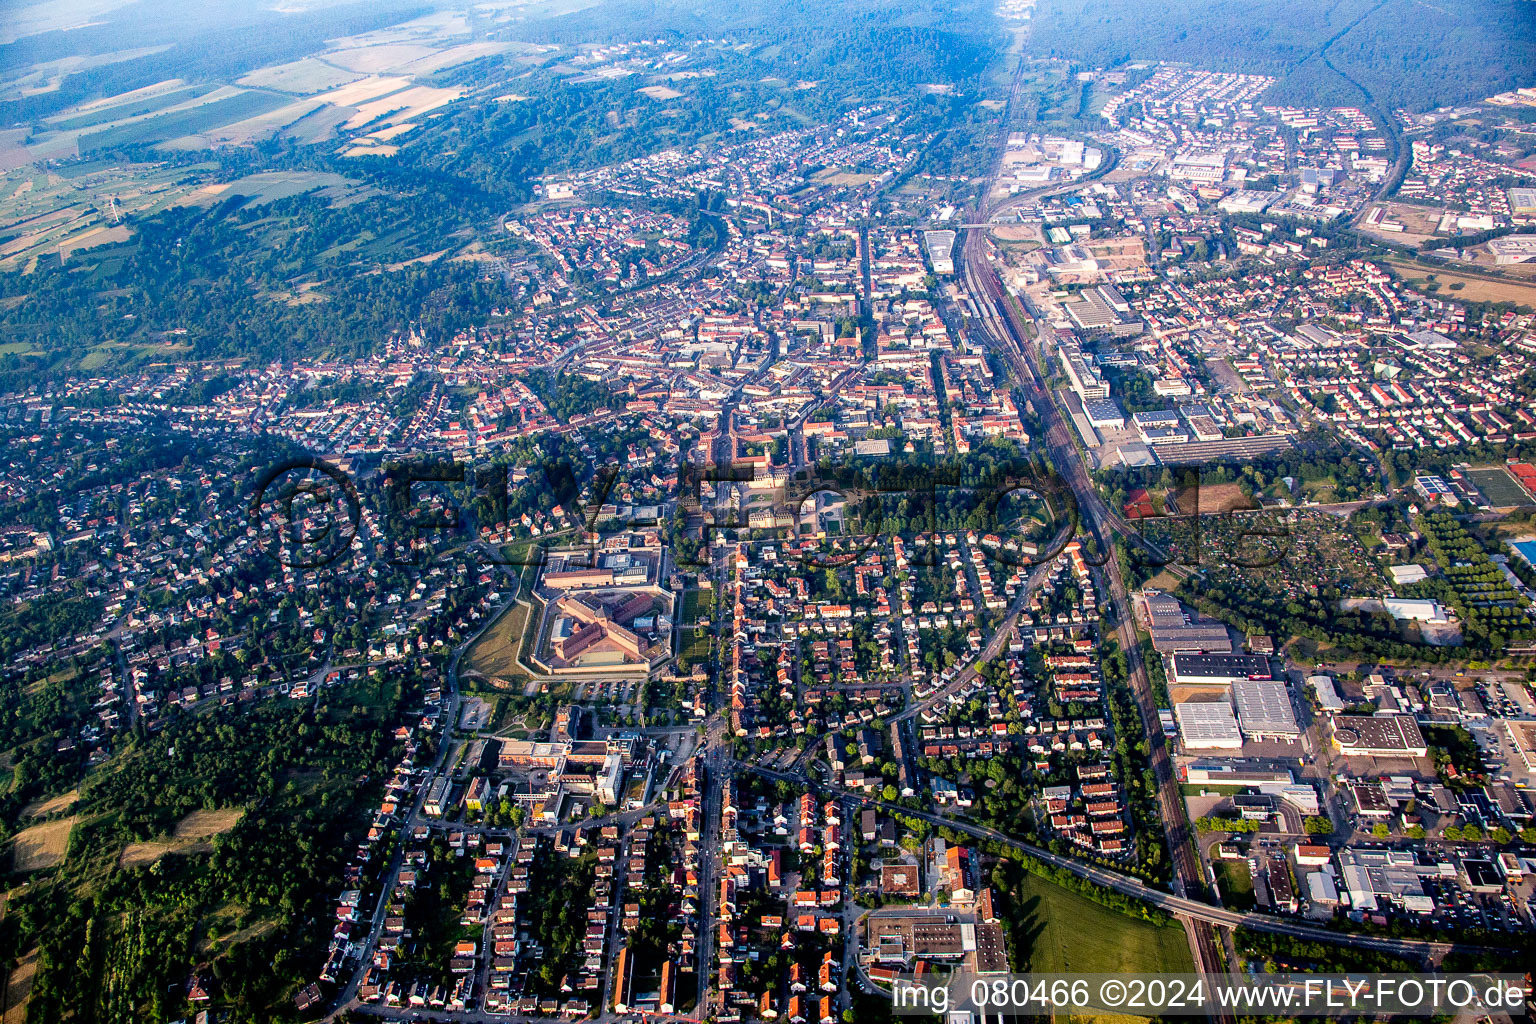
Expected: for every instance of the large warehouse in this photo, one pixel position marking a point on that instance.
(1264, 709)
(1378, 736)
(1216, 669)
(1522, 736)
(1211, 638)
(1208, 725)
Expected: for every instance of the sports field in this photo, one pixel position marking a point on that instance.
(1498, 486)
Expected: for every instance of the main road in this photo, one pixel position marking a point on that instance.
(1180, 906)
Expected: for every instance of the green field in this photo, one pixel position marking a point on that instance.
(1236, 883)
(495, 654)
(693, 643)
(184, 122)
(1070, 933)
(694, 602)
(270, 186)
(693, 648)
(133, 108)
(1498, 486)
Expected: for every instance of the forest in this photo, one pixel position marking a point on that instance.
(880, 52)
(1399, 53)
(221, 275)
(117, 940)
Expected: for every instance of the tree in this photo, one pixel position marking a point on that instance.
(1380, 830)
(889, 794)
(1317, 825)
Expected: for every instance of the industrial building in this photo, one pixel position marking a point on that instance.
(1416, 609)
(1378, 736)
(1201, 168)
(941, 247)
(1192, 638)
(1512, 249)
(1264, 709)
(1522, 736)
(1393, 877)
(1248, 201)
(1216, 669)
(1276, 782)
(1208, 725)
(1229, 775)
(1104, 413)
(1327, 694)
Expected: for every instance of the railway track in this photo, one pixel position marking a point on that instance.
(1004, 330)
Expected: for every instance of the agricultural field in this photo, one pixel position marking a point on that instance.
(138, 103)
(367, 147)
(403, 105)
(253, 129)
(660, 92)
(53, 805)
(270, 186)
(217, 109)
(383, 57)
(42, 846)
(66, 211)
(318, 126)
(1448, 284)
(1210, 499)
(377, 80)
(301, 77)
(190, 835)
(151, 120)
(18, 986)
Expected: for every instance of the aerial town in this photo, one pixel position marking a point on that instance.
(765, 606)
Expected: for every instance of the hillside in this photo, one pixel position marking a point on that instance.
(1404, 53)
